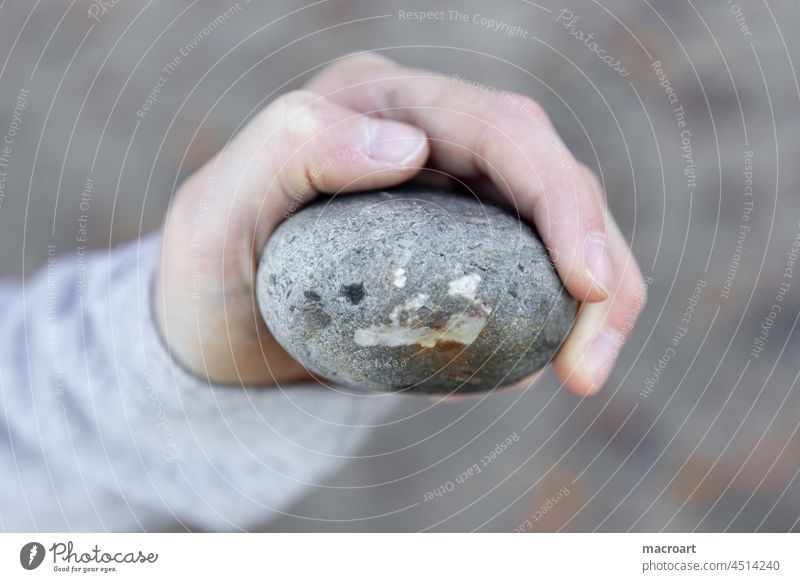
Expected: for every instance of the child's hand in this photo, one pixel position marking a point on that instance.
(366, 122)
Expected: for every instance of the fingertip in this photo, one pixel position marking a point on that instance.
(575, 378)
(590, 291)
(576, 362)
(579, 385)
(584, 267)
(600, 357)
(583, 287)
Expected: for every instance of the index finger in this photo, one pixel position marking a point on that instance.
(505, 136)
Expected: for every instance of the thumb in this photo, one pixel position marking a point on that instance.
(302, 144)
(223, 215)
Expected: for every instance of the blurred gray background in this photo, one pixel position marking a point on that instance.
(705, 441)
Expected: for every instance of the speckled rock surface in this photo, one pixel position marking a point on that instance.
(413, 289)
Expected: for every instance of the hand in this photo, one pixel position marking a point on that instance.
(381, 123)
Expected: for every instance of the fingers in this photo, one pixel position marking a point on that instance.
(502, 135)
(300, 145)
(223, 214)
(589, 353)
(509, 138)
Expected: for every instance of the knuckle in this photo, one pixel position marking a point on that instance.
(299, 102)
(299, 115)
(364, 59)
(518, 106)
(298, 98)
(535, 111)
(591, 176)
(349, 67)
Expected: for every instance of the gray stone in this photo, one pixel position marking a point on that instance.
(412, 289)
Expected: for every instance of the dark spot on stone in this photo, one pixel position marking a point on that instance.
(312, 297)
(354, 292)
(428, 318)
(513, 293)
(520, 267)
(315, 318)
(404, 317)
(479, 267)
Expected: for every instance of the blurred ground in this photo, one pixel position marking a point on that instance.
(698, 433)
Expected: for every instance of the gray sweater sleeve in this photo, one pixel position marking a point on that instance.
(101, 430)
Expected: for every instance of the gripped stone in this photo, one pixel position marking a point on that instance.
(412, 289)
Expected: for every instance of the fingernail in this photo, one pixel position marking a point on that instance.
(597, 261)
(394, 142)
(591, 319)
(601, 356)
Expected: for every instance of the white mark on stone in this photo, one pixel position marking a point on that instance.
(466, 286)
(410, 306)
(461, 328)
(399, 278)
